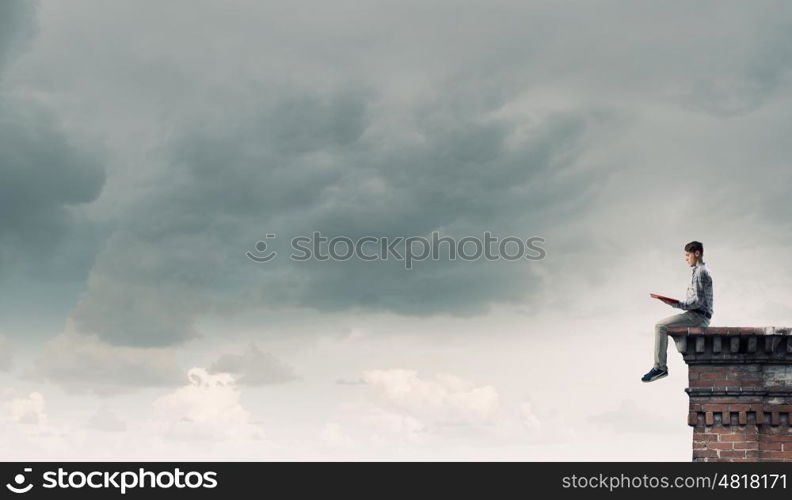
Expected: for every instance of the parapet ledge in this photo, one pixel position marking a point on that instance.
(733, 344)
(731, 330)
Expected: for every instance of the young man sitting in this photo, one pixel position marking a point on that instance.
(697, 306)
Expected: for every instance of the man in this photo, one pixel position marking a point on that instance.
(697, 306)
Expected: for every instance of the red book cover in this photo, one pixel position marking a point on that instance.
(662, 297)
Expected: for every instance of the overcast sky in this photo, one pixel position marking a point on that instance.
(145, 146)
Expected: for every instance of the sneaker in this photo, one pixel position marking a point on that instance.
(653, 375)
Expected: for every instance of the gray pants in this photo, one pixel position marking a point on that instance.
(687, 318)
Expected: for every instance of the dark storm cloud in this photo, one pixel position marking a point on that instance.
(576, 121)
(304, 163)
(81, 363)
(17, 28)
(43, 175)
(254, 367)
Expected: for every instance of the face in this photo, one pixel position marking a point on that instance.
(692, 258)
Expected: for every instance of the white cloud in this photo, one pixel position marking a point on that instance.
(207, 408)
(404, 415)
(29, 409)
(529, 419)
(333, 433)
(203, 419)
(446, 398)
(629, 417)
(106, 420)
(370, 428)
(26, 429)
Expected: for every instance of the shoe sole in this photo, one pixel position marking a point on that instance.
(656, 378)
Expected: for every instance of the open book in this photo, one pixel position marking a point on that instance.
(663, 298)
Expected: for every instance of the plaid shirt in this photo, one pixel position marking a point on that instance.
(699, 291)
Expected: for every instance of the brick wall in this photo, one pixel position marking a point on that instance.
(740, 391)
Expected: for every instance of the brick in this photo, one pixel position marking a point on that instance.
(732, 453)
(770, 438)
(776, 455)
(770, 446)
(746, 445)
(719, 430)
(733, 437)
(708, 383)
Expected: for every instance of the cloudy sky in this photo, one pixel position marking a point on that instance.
(146, 146)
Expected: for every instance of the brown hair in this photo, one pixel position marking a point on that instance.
(693, 246)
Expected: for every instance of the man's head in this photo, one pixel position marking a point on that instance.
(694, 253)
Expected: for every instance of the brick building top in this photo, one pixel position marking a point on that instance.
(740, 391)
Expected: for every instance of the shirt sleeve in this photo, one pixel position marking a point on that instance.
(696, 300)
